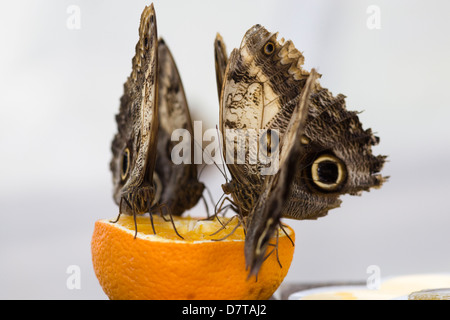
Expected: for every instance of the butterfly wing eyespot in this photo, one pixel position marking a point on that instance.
(125, 164)
(328, 173)
(269, 48)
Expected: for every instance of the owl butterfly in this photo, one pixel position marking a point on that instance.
(323, 150)
(152, 107)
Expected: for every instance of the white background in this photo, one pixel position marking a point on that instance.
(60, 90)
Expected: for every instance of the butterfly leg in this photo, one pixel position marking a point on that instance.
(169, 213)
(215, 208)
(223, 226)
(135, 224)
(120, 208)
(215, 211)
(232, 231)
(151, 221)
(120, 211)
(222, 207)
(232, 205)
(284, 231)
(227, 207)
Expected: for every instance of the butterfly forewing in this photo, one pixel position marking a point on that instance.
(265, 216)
(153, 106)
(134, 146)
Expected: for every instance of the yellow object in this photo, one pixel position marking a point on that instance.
(164, 266)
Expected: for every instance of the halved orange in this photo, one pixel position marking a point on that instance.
(164, 266)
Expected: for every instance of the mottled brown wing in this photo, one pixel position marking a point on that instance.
(265, 216)
(181, 189)
(337, 159)
(263, 82)
(134, 146)
(262, 85)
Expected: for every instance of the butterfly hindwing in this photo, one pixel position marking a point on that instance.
(181, 189)
(338, 159)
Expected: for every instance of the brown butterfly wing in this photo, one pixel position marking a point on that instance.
(134, 146)
(338, 159)
(181, 189)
